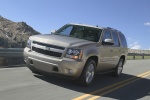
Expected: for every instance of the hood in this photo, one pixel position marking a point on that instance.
(59, 40)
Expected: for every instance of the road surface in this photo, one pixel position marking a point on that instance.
(19, 83)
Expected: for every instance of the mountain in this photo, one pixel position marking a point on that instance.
(14, 34)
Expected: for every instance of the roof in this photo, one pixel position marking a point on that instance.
(86, 25)
(95, 27)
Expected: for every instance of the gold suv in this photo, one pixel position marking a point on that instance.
(78, 51)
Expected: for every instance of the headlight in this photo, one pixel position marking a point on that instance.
(29, 43)
(74, 53)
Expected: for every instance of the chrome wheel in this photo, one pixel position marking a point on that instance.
(119, 68)
(90, 73)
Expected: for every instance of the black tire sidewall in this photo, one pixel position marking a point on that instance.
(116, 72)
(83, 75)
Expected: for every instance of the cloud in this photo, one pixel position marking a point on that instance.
(135, 45)
(129, 38)
(147, 24)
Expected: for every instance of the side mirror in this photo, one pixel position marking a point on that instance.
(108, 42)
(53, 31)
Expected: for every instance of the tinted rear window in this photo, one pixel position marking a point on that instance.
(116, 39)
(123, 40)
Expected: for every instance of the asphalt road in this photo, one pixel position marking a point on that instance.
(20, 84)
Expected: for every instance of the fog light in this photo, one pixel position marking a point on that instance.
(55, 69)
(70, 71)
(30, 61)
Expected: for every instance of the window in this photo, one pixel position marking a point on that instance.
(78, 32)
(123, 40)
(81, 32)
(106, 35)
(87, 33)
(115, 38)
(66, 31)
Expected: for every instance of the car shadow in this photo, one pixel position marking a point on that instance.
(133, 91)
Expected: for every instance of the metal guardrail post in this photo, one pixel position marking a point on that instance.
(143, 56)
(133, 56)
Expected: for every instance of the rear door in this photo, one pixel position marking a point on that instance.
(116, 50)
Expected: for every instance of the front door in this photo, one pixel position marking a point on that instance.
(106, 53)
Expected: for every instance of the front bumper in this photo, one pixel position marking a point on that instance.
(47, 64)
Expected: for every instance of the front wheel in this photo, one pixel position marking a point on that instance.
(88, 73)
(119, 68)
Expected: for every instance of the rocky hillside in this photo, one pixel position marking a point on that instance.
(14, 34)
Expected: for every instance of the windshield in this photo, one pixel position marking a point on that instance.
(81, 32)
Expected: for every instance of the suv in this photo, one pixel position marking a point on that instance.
(78, 51)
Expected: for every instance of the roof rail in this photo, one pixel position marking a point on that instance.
(113, 29)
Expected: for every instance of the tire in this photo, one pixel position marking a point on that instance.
(119, 68)
(88, 73)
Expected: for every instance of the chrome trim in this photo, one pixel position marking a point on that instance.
(48, 48)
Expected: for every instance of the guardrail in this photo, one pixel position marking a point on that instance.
(11, 52)
(11, 56)
(18, 52)
(14, 56)
(138, 54)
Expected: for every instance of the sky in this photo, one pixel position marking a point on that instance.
(131, 17)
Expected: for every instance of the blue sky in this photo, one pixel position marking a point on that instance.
(132, 17)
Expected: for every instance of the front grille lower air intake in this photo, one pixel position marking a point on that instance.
(55, 51)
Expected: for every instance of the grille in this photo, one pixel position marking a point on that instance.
(49, 45)
(50, 53)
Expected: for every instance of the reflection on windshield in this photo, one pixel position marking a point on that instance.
(81, 32)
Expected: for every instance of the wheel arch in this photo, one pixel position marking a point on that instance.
(124, 58)
(95, 58)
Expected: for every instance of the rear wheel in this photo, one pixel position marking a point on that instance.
(119, 68)
(88, 73)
